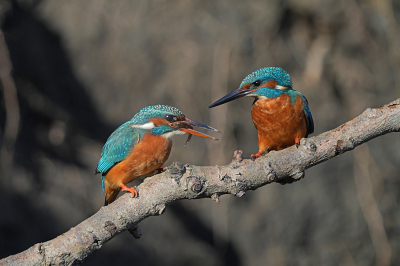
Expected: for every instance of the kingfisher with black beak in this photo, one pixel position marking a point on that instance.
(141, 146)
(280, 114)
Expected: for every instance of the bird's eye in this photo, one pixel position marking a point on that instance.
(170, 118)
(256, 83)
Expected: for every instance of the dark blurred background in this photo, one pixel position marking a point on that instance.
(82, 68)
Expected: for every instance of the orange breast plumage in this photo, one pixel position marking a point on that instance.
(279, 121)
(148, 155)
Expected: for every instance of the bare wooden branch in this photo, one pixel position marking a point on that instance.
(192, 182)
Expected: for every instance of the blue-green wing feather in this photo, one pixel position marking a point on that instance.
(310, 121)
(117, 147)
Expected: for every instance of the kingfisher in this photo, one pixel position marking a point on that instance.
(280, 114)
(140, 146)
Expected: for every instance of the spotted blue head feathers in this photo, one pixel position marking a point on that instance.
(268, 82)
(160, 111)
(266, 74)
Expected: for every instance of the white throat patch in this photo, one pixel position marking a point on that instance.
(279, 87)
(146, 126)
(172, 133)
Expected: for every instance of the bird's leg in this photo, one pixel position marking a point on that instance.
(161, 169)
(297, 142)
(130, 189)
(255, 156)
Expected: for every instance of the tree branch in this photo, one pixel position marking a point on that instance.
(192, 182)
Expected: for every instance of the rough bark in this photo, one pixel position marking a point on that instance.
(191, 182)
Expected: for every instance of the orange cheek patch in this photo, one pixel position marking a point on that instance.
(270, 84)
(158, 121)
(246, 87)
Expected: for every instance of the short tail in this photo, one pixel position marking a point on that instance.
(111, 195)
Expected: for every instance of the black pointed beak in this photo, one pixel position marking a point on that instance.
(236, 94)
(187, 127)
(198, 124)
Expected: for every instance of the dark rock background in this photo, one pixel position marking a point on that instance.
(82, 68)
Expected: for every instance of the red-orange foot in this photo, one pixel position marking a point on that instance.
(255, 156)
(297, 142)
(161, 169)
(130, 189)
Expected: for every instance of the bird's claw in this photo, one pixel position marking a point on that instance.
(129, 189)
(161, 169)
(255, 156)
(297, 142)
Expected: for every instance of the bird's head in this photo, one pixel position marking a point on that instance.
(164, 120)
(268, 82)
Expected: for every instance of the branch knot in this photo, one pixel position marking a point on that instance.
(110, 227)
(159, 209)
(195, 184)
(135, 231)
(237, 156)
(176, 170)
(310, 145)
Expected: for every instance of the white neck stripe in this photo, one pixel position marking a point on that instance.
(147, 126)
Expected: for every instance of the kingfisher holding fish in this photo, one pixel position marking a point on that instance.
(141, 146)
